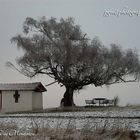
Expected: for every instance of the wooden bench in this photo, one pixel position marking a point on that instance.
(89, 102)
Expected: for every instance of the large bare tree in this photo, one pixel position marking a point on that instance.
(59, 49)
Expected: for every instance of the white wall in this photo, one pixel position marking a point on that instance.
(24, 101)
(37, 100)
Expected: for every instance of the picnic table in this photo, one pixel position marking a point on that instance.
(99, 102)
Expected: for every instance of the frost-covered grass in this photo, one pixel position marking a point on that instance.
(90, 130)
(103, 111)
(72, 124)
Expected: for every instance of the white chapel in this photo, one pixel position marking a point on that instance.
(21, 97)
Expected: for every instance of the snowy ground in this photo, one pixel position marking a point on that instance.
(77, 120)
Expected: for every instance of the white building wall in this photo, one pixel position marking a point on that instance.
(37, 100)
(24, 101)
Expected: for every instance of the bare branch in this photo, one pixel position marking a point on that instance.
(51, 83)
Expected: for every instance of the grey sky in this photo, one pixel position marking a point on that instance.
(123, 30)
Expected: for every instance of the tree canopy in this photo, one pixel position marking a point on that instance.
(59, 49)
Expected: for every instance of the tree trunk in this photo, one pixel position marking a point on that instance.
(67, 100)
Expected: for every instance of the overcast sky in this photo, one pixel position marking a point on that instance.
(96, 17)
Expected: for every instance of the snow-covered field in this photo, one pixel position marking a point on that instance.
(76, 120)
